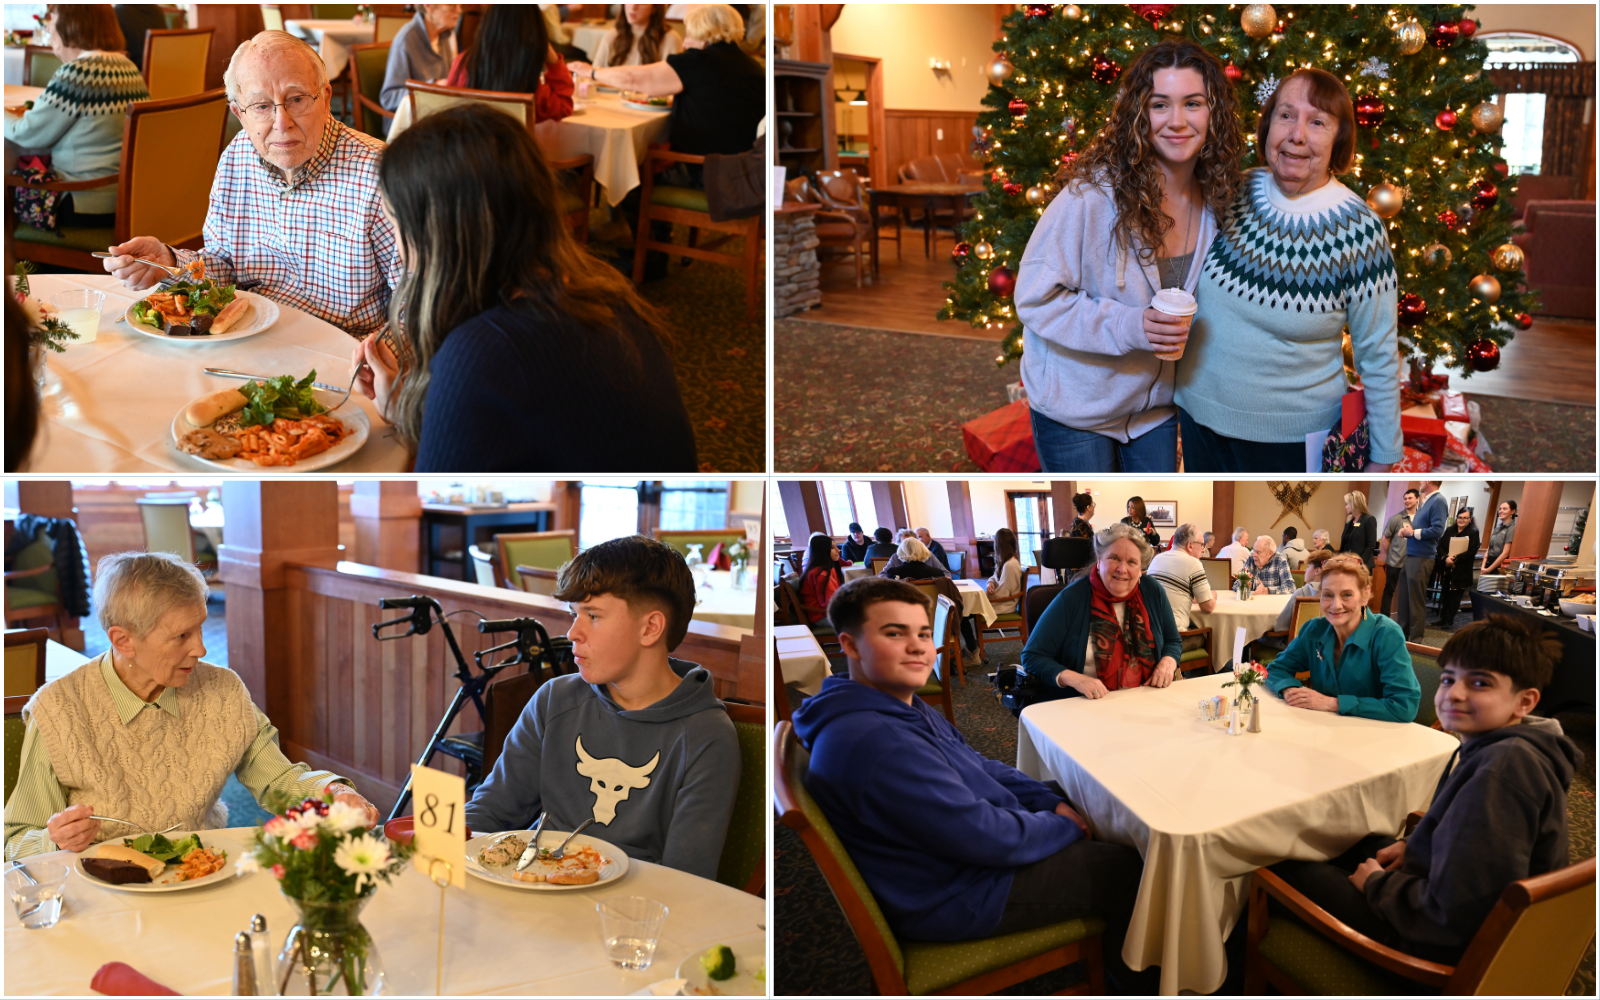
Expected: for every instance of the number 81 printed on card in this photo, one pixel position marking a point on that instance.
(438, 804)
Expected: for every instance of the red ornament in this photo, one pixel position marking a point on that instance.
(1018, 107)
(1153, 12)
(1484, 195)
(1233, 73)
(1446, 120)
(1037, 11)
(1103, 70)
(999, 175)
(1370, 111)
(1502, 168)
(1483, 355)
(1068, 156)
(1449, 219)
(1467, 27)
(1002, 281)
(1524, 320)
(1444, 34)
(960, 252)
(1012, 188)
(1413, 310)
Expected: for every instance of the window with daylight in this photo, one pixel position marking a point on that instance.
(609, 509)
(849, 501)
(694, 504)
(780, 523)
(1523, 130)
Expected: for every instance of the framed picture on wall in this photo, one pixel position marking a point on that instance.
(1162, 513)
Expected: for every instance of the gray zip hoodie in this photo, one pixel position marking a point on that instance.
(1081, 296)
(659, 781)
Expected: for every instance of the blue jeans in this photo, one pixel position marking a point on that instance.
(1067, 449)
(1204, 450)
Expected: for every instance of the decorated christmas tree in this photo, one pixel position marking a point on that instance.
(1427, 150)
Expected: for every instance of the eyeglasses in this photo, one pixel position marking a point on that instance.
(298, 106)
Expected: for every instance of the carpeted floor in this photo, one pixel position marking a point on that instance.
(848, 399)
(816, 954)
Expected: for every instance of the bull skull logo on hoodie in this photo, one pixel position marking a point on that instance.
(611, 779)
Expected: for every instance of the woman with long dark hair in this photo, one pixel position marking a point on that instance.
(1006, 584)
(1140, 522)
(1155, 179)
(513, 55)
(821, 573)
(1455, 571)
(640, 37)
(522, 352)
(1083, 503)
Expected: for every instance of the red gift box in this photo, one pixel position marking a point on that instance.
(1459, 451)
(1002, 441)
(1453, 406)
(1425, 434)
(1415, 461)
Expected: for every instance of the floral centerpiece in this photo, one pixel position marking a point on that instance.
(1244, 679)
(739, 555)
(328, 864)
(1243, 582)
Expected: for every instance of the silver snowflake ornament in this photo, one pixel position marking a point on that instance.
(1266, 88)
(1375, 67)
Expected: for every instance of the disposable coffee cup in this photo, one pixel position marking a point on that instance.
(1179, 303)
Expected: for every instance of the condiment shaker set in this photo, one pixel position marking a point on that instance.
(252, 961)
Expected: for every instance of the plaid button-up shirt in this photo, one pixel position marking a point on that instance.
(319, 243)
(1276, 575)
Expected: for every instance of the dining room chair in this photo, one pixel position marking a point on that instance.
(780, 688)
(576, 196)
(1425, 664)
(1529, 945)
(1305, 609)
(170, 151)
(545, 549)
(876, 564)
(922, 968)
(25, 661)
(386, 26)
(368, 63)
(32, 587)
(744, 850)
(15, 732)
(1197, 661)
(1219, 573)
(795, 558)
(846, 190)
(1299, 577)
(835, 227)
(801, 613)
(175, 61)
(272, 16)
(707, 539)
(503, 704)
(937, 690)
(537, 580)
(955, 560)
(945, 588)
(688, 207)
(39, 64)
(484, 570)
(996, 630)
(166, 526)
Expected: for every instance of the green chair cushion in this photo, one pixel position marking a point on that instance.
(85, 238)
(1322, 968)
(18, 598)
(15, 729)
(680, 197)
(746, 842)
(1427, 671)
(33, 591)
(1009, 616)
(1194, 654)
(1265, 656)
(932, 966)
(932, 687)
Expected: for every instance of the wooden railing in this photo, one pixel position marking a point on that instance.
(365, 709)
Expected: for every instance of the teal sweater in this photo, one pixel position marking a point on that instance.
(1060, 638)
(79, 119)
(1282, 279)
(1373, 679)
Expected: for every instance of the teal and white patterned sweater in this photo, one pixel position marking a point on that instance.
(1282, 279)
(79, 119)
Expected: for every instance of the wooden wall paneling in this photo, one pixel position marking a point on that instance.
(1536, 518)
(1061, 494)
(1221, 513)
(889, 497)
(568, 498)
(909, 134)
(802, 508)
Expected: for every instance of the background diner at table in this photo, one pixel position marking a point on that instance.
(179, 635)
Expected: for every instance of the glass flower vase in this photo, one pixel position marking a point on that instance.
(330, 953)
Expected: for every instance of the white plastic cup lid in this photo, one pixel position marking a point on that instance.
(1174, 302)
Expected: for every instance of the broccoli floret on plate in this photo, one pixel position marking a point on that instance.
(718, 962)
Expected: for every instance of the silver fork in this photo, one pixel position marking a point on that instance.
(113, 819)
(556, 855)
(346, 398)
(174, 271)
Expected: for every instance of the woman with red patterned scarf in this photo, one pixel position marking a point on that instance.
(1109, 631)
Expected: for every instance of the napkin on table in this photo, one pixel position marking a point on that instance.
(118, 979)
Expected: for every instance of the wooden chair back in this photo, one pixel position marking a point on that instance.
(842, 189)
(876, 564)
(1219, 573)
(272, 16)
(707, 539)
(39, 64)
(427, 98)
(170, 151)
(166, 526)
(1425, 664)
(484, 569)
(544, 549)
(388, 25)
(1305, 609)
(368, 62)
(25, 661)
(780, 690)
(175, 61)
(688, 207)
(503, 704)
(1533, 939)
(537, 580)
(744, 850)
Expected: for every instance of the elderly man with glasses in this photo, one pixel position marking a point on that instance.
(295, 203)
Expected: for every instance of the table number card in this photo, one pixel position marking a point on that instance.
(438, 801)
(1238, 647)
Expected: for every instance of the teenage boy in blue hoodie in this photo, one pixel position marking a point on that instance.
(1498, 815)
(636, 740)
(954, 845)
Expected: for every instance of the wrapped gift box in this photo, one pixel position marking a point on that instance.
(1453, 406)
(1425, 434)
(1002, 441)
(1415, 461)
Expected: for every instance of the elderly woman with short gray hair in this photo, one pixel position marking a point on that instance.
(1109, 631)
(147, 732)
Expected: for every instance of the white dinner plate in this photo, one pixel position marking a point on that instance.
(351, 415)
(645, 107)
(208, 838)
(749, 958)
(263, 313)
(610, 872)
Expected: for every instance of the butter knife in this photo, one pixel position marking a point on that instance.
(226, 373)
(533, 843)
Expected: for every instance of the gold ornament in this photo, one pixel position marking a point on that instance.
(1071, 11)
(999, 70)
(982, 251)
(1258, 20)
(1037, 194)
(1485, 287)
(1507, 257)
(1487, 118)
(1386, 200)
(1436, 256)
(1410, 36)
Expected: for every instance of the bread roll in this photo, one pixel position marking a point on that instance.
(232, 313)
(574, 878)
(204, 411)
(117, 852)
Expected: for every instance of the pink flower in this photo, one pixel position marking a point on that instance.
(277, 826)
(305, 840)
(277, 871)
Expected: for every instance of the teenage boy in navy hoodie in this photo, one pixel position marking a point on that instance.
(1498, 815)
(954, 845)
(636, 740)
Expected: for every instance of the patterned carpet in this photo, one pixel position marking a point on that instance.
(816, 954)
(848, 399)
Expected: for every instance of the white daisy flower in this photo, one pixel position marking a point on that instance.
(247, 864)
(343, 817)
(363, 857)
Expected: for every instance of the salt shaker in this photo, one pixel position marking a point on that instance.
(244, 966)
(261, 951)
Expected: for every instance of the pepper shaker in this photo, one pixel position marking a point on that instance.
(244, 966)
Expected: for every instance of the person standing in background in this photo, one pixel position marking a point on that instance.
(1140, 521)
(1394, 551)
(1360, 536)
(1422, 539)
(136, 20)
(1494, 554)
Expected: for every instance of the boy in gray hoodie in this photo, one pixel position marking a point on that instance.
(637, 740)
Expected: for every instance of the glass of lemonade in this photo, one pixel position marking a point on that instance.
(80, 309)
(630, 926)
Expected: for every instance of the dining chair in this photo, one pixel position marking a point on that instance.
(937, 690)
(388, 25)
(846, 190)
(1299, 578)
(32, 588)
(39, 64)
(744, 849)
(956, 561)
(272, 16)
(1305, 609)
(173, 15)
(15, 732)
(368, 63)
(503, 704)
(780, 688)
(538, 580)
(545, 549)
(876, 564)
(25, 661)
(834, 227)
(688, 207)
(166, 526)
(1425, 664)
(1529, 945)
(1196, 661)
(484, 569)
(921, 968)
(175, 61)
(170, 151)
(1219, 573)
(801, 612)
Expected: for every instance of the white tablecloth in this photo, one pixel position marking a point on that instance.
(14, 55)
(615, 136)
(1205, 808)
(59, 660)
(801, 658)
(975, 601)
(856, 572)
(108, 406)
(332, 39)
(498, 940)
(723, 604)
(1257, 615)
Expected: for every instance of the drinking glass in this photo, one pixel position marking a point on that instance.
(80, 308)
(38, 902)
(630, 927)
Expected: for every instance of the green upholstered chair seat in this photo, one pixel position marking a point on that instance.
(1322, 968)
(933, 687)
(15, 729)
(1194, 654)
(932, 966)
(1427, 671)
(33, 591)
(1265, 656)
(689, 199)
(85, 238)
(18, 598)
(746, 842)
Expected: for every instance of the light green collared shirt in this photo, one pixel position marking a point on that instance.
(38, 795)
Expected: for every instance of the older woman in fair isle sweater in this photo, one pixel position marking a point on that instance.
(1298, 257)
(147, 733)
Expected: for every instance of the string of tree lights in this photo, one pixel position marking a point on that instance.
(1427, 150)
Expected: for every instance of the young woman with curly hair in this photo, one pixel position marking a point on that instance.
(1156, 178)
